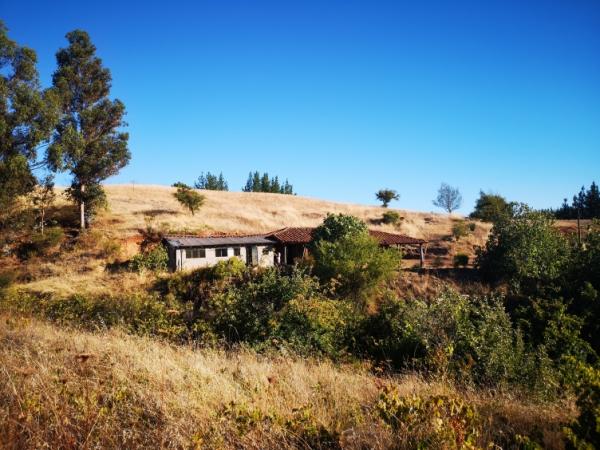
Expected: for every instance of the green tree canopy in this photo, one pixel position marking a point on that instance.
(490, 207)
(337, 226)
(524, 248)
(386, 196)
(27, 118)
(189, 198)
(88, 141)
(263, 183)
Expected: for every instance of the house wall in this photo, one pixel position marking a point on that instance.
(266, 257)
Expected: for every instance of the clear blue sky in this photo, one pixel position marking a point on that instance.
(346, 97)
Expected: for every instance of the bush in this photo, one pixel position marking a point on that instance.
(469, 338)
(461, 260)
(460, 229)
(391, 218)
(524, 249)
(584, 433)
(315, 325)
(156, 259)
(434, 422)
(337, 226)
(355, 264)
(40, 244)
(472, 226)
(247, 312)
(136, 313)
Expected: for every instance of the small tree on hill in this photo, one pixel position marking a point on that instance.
(448, 198)
(42, 198)
(386, 196)
(189, 198)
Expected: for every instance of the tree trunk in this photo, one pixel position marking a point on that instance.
(42, 224)
(82, 209)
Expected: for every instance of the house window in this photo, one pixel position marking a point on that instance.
(195, 253)
(237, 251)
(221, 252)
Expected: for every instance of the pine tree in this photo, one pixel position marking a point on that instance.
(87, 141)
(222, 184)
(592, 202)
(256, 183)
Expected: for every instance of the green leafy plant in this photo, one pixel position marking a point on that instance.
(155, 259)
(460, 229)
(391, 218)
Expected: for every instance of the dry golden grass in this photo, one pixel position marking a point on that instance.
(68, 389)
(250, 212)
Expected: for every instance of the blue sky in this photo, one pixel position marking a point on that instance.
(346, 97)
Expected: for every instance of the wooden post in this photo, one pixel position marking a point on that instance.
(422, 255)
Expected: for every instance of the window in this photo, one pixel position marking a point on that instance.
(221, 252)
(237, 251)
(195, 253)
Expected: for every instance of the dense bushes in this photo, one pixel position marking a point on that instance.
(136, 313)
(156, 258)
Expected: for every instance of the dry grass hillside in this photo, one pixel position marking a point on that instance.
(82, 265)
(249, 212)
(69, 389)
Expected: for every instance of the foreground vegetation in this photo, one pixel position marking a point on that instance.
(64, 388)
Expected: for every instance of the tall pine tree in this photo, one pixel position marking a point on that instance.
(88, 141)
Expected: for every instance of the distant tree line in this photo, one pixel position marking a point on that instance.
(585, 205)
(263, 183)
(211, 182)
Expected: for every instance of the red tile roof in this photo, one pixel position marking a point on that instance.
(292, 235)
(303, 235)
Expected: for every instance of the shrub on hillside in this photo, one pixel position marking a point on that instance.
(247, 312)
(136, 313)
(461, 260)
(355, 264)
(524, 249)
(40, 244)
(391, 218)
(156, 259)
(460, 229)
(337, 226)
(434, 422)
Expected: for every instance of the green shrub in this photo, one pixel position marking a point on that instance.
(355, 264)
(40, 244)
(136, 313)
(246, 312)
(460, 229)
(156, 259)
(524, 249)
(472, 226)
(336, 227)
(391, 217)
(461, 260)
(315, 325)
(584, 433)
(434, 422)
